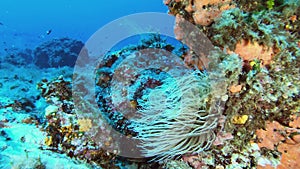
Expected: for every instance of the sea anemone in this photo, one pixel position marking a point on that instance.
(174, 117)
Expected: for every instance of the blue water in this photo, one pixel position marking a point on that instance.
(25, 23)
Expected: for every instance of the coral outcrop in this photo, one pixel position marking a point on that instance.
(57, 53)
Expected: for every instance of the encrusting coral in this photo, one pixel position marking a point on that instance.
(265, 35)
(66, 131)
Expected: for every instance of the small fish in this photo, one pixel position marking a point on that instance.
(49, 31)
(1, 23)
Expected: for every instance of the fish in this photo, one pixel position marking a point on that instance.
(49, 31)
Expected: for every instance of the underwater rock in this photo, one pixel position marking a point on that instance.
(18, 57)
(51, 109)
(265, 35)
(201, 12)
(177, 164)
(57, 89)
(57, 53)
(205, 12)
(23, 104)
(66, 132)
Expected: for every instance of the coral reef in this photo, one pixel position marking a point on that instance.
(65, 131)
(262, 27)
(159, 103)
(57, 53)
(265, 35)
(107, 75)
(267, 96)
(21, 117)
(202, 12)
(69, 134)
(18, 57)
(234, 105)
(58, 89)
